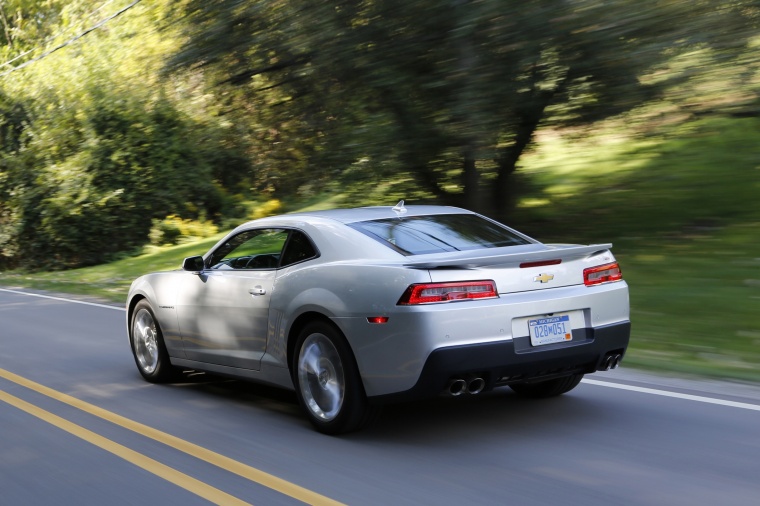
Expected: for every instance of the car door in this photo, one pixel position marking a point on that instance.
(223, 310)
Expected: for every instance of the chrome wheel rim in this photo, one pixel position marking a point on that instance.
(145, 341)
(320, 377)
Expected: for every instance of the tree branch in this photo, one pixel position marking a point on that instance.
(5, 24)
(244, 76)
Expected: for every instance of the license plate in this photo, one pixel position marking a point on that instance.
(552, 329)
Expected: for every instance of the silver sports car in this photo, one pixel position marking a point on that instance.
(353, 308)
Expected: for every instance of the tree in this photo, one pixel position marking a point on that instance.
(94, 146)
(452, 91)
(24, 23)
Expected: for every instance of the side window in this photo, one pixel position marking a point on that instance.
(299, 248)
(252, 249)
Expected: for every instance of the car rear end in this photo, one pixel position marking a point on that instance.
(492, 315)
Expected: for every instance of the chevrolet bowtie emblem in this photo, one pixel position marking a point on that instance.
(544, 278)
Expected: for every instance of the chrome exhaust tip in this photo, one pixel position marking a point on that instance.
(611, 362)
(457, 386)
(475, 385)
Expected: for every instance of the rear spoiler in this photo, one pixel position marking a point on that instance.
(509, 255)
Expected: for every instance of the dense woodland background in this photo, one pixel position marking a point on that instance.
(124, 123)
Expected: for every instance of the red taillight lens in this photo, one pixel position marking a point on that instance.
(602, 274)
(431, 293)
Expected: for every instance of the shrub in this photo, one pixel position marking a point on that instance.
(268, 208)
(174, 230)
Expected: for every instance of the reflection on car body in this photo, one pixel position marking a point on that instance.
(353, 308)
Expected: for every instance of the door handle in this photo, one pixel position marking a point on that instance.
(257, 290)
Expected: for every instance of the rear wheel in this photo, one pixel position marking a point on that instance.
(327, 381)
(148, 347)
(548, 388)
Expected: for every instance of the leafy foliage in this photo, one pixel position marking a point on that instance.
(268, 208)
(175, 230)
(133, 166)
(268, 99)
(91, 157)
(451, 92)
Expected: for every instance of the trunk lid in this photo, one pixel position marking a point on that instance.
(517, 268)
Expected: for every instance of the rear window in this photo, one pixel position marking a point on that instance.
(418, 235)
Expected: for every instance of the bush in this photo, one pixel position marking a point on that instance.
(174, 230)
(268, 208)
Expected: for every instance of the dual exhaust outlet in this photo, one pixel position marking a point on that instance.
(472, 385)
(611, 361)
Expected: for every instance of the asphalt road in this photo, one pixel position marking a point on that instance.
(78, 425)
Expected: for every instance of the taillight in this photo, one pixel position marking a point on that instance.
(431, 293)
(602, 274)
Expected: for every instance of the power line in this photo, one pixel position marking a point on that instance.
(68, 42)
(50, 39)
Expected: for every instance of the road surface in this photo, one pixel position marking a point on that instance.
(78, 425)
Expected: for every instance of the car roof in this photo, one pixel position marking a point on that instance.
(378, 213)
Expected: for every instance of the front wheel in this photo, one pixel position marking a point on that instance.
(148, 347)
(327, 381)
(548, 388)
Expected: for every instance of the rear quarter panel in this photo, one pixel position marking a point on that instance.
(341, 291)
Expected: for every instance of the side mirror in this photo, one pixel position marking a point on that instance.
(193, 264)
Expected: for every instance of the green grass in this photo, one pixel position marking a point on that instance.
(695, 303)
(109, 281)
(683, 212)
(703, 175)
(682, 208)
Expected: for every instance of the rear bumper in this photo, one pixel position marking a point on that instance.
(513, 361)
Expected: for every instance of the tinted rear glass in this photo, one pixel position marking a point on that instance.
(418, 235)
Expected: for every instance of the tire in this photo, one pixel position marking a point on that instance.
(548, 388)
(148, 346)
(327, 381)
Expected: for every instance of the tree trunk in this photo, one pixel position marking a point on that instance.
(471, 181)
(466, 115)
(504, 192)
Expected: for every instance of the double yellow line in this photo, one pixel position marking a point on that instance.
(180, 479)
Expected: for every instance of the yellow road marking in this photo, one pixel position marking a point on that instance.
(226, 463)
(180, 479)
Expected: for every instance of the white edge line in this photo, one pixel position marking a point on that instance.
(63, 300)
(666, 393)
(620, 386)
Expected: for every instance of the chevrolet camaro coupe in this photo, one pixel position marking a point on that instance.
(353, 308)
